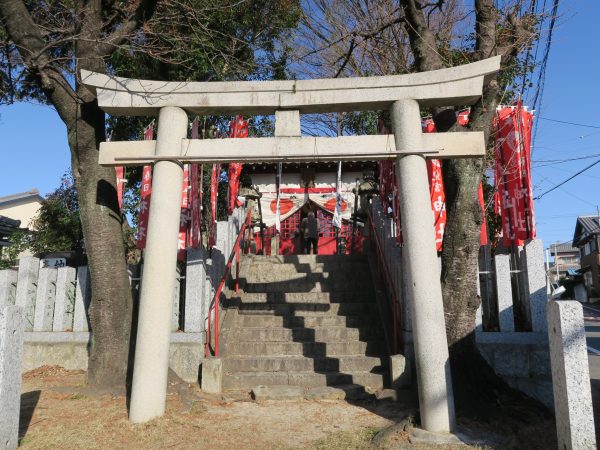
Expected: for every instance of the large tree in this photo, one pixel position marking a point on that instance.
(381, 37)
(43, 47)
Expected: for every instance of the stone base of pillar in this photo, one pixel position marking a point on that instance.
(212, 376)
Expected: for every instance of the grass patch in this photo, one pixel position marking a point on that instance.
(347, 440)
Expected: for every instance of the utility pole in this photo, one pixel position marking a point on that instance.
(556, 261)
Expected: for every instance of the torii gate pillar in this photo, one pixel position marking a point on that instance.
(149, 386)
(436, 400)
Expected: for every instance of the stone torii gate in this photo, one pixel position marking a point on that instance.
(403, 95)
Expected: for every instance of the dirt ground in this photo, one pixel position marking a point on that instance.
(58, 412)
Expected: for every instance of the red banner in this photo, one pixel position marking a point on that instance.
(436, 190)
(512, 174)
(238, 128)
(145, 195)
(214, 190)
(185, 214)
(120, 172)
(194, 239)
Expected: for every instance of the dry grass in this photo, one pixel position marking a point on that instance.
(57, 412)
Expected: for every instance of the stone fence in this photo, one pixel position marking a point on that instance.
(55, 304)
(511, 329)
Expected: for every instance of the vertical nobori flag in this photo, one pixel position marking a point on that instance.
(512, 174)
(214, 190)
(277, 207)
(185, 214)
(238, 128)
(145, 194)
(337, 213)
(195, 199)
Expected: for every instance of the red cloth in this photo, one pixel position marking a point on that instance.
(195, 199)
(214, 189)
(120, 172)
(513, 198)
(185, 215)
(145, 195)
(237, 129)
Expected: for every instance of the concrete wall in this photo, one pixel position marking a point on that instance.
(70, 350)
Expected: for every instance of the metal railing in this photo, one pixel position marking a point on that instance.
(383, 268)
(214, 306)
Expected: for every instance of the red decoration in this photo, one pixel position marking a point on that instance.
(237, 129)
(285, 206)
(120, 172)
(195, 200)
(512, 173)
(145, 195)
(330, 205)
(214, 190)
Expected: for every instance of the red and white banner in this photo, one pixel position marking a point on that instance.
(185, 213)
(436, 190)
(214, 190)
(145, 195)
(238, 128)
(194, 238)
(512, 174)
(483, 235)
(121, 180)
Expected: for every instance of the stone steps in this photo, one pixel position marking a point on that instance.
(328, 334)
(301, 285)
(303, 321)
(249, 380)
(301, 297)
(372, 364)
(306, 309)
(308, 349)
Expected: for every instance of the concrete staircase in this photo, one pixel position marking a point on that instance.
(306, 321)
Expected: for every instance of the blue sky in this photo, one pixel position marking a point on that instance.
(35, 154)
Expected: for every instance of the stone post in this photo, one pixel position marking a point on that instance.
(11, 352)
(536, 284)
(422, 272)
(82, 299)
(44, 301)
(570, 376)
(151, 363)
(65, 299)
(27, 288)
(195, 284)
(8, 287)
(506, 317)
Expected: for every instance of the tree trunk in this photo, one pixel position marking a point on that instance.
(111, 303)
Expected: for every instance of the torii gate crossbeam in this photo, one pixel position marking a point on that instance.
(403, 95)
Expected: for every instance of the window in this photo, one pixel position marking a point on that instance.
(594, 246)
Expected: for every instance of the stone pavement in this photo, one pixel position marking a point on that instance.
(592, 332)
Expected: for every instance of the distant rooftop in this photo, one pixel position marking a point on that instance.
(585, 226)
(565, 247)
(33, 194)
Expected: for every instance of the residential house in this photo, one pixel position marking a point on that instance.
(585, 239)
(22, 206)
(566, 258)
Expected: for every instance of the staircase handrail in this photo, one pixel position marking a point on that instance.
(214, 306)
(382, 264)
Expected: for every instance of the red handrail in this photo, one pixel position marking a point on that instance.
(215, 303)
(381, 264)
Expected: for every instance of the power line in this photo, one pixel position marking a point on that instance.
(595, 155)
(542, 73)
(570, 123)
(568, 179)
